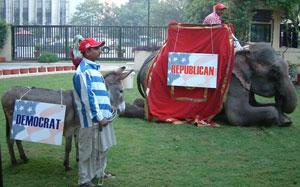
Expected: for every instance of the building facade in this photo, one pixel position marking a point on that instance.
(35, 12)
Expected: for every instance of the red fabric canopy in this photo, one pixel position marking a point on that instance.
(174, 104)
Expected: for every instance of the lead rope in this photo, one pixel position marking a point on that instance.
(176, 38)
(61, 98)
(212, 43)
(25, 93)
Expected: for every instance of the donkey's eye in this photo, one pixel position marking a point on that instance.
(121, 91)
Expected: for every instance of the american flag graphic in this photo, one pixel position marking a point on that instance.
(176, 58)
(38, 122)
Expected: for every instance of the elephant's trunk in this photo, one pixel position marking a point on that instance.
(288, 96)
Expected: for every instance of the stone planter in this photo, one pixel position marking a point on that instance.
(139, 58)
(15, 71)
(42, 69)
(128, 82)
(6, 72)
(32, 70)
(67, 68)
(59, 68)
(24, 70)
(2, 59)
(50, 69)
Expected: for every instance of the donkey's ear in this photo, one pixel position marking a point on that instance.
(125, 74)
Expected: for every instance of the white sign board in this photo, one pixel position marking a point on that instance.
(192, 69)
(38, 122)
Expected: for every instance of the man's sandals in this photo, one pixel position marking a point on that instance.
(107, 175)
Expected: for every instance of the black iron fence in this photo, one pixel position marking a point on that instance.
(29, 42)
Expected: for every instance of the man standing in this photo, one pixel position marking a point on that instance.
(96, 134)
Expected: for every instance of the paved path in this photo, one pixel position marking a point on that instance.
(27, 65)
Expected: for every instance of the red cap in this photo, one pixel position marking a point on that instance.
(89, 43)
(220, 6)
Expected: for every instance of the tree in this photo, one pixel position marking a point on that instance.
(161, 12)
(3, 31)
(90, 12)
(167, 10)
(134, 13)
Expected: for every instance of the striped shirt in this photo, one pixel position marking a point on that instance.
(212, 18)
(90, 93)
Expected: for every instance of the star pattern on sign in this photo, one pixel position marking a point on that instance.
(23, 107)
(178, 59)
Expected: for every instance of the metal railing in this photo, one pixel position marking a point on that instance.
(29, 42)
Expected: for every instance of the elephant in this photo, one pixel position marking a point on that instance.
(258, 70)
(113, 81)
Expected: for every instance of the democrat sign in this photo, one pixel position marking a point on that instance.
(38, 122)
(192, 70)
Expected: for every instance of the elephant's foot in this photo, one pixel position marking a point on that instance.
(285, 121)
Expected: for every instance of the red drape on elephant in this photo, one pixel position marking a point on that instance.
(174, 104)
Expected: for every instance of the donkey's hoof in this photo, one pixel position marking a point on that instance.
(68, 168)
(14, 163)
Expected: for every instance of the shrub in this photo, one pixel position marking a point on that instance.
(48, 57)
(3, 31)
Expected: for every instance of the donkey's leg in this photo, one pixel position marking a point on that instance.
(10, 143)
(68, 148)
(21, 151)
(76, 145)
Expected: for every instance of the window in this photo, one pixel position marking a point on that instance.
(25, 12)
(39, 7)
(63, 14)
(16, 12)
(260, 32)
(2, 10)
(48, 11)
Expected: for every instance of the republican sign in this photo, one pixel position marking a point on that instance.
(38, 122)
(192, 69)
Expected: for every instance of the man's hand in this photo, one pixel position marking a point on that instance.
(103, 123)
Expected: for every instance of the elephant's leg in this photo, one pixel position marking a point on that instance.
(283, 119)
(240, 112)
(253, 101)
(249, 115)
(21, 151)
(68, 148)
(140, 102)
(133, 111)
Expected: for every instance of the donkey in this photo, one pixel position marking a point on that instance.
(114, 86)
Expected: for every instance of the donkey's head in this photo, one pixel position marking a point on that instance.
(113, 81)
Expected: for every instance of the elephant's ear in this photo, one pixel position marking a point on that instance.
(242, 68)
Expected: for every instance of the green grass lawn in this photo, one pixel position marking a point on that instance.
(160, 154)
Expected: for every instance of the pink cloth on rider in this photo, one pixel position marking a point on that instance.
(212, 18)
